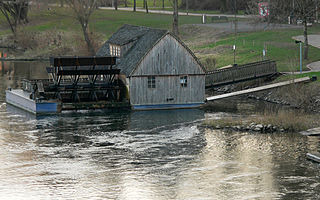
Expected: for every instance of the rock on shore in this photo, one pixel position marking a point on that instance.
(253, 127)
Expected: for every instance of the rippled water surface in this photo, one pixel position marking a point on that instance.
(144, 155)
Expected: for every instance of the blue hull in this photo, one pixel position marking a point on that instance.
(166, 106)
(20, 99)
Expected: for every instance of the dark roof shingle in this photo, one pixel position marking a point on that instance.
(145, 38)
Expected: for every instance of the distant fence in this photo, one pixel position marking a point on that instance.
(240, 73)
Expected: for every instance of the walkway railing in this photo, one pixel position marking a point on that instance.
(240, 73)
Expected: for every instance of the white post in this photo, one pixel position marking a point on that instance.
(289, 20)
(203, 19)
(234, 54)
(300, 57)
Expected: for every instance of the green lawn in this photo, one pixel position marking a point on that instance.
(139, 3)
(287, 77)
(241, 12)
(249, 47)
(168, 6)
(108, 22)
(104, 22)
(190, 10)
(279, 45)
(46, 27)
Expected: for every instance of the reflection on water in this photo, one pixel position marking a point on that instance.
(147, 155)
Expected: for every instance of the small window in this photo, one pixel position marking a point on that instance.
(184, 81)
(151, 82)
(115, 50)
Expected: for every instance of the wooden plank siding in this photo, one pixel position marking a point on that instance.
(168, 60)
(168, 57)
(168, 90)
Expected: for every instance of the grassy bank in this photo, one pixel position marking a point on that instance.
(285, 120)
(209, 47)
(279, 46)
(288, 77)
(102, 21)
(56, 31)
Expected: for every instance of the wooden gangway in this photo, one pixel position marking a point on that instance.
(257, 89)
(314, 157)
(240, 73)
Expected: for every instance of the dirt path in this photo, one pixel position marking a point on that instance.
(315, 66)
(314, 40)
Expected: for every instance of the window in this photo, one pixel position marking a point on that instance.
(184, 81)
(115, 50)
(151, 82)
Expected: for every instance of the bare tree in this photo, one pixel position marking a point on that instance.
(15, 12)
(83, 10)
(187, 6)
(175, 23)
(305, 10)
(134, 5)
(280, 10)
(61, 3)
(115, 3)
(146, 6)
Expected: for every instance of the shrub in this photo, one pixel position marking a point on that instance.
(209, 63)
(291, 120)
(55, 43)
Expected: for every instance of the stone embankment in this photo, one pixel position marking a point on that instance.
(252, 127)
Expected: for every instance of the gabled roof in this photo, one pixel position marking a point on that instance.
(145, 38)
(128, 33)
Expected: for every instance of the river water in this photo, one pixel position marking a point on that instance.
(145, 155)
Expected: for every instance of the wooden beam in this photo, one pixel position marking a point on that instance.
(257, 89)
(82, 61)
(88, 72)
(314, 156)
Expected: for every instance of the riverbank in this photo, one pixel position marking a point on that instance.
(268, 122)
(300, 96)
(56, 32)
(53, 33)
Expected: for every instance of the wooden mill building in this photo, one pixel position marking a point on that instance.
(158, 69)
